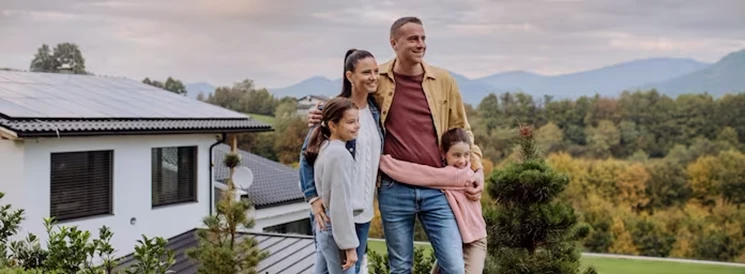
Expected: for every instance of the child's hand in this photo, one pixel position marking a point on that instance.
(351, 259)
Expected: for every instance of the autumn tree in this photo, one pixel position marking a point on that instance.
(622, 241)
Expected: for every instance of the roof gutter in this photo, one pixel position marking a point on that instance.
(212, 167)
(138, 132)
(7, 134)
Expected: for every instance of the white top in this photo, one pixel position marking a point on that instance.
(366, 166)
(334, 181)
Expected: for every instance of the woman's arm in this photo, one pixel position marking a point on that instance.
(411, 173)
(307, 182)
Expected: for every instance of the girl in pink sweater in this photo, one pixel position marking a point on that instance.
(452, 180)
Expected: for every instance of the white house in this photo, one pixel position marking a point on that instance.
(93, 151)
(306, 102)
(275, 193)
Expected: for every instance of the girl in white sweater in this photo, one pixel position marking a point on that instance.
(333, 167)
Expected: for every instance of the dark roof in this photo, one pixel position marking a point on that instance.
(53, 104)
(319, 97)
(287, 253)
(274, 183)
(53, 128)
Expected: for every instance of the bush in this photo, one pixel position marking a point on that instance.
(378, 263)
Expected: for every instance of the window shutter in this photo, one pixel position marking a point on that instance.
(174, 175)
(81, 184)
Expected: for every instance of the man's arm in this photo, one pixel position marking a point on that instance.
(458, 119)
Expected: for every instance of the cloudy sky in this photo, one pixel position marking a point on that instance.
(280, 42)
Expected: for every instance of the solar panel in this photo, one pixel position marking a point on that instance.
(50, 95)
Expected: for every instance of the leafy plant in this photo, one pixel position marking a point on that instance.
(152, 257)
(9, 223)
(378, 263)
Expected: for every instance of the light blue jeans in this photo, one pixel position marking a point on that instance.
(399, 205)
(324, 249)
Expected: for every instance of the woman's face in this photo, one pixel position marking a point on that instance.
(348, 126)
(364, 78)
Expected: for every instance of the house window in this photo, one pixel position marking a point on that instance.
(302, 227)
(174, 175)
(80, 184)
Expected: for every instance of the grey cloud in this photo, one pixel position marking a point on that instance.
(283, 41)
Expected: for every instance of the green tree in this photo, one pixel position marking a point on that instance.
(219, 250)
(171, 84)
(531, 231)
(64, 56)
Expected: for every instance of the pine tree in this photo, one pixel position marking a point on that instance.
(220, 250)
(530, 231)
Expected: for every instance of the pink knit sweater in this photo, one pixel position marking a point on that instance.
(452, 181)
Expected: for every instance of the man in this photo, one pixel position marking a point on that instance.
(418, 103)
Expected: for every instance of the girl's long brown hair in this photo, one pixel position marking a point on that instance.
(453, 136)
(333, 111)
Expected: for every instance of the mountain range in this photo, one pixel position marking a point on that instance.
(671, 76)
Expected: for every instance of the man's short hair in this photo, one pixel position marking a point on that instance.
(400, 22)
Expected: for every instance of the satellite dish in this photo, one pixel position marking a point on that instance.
(243, 177)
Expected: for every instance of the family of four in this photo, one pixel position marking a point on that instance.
(398, 130)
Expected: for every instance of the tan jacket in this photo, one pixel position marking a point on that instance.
(443, 97)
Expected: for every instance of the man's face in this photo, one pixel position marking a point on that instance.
(409, 43)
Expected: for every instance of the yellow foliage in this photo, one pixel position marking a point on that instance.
(603, 176)
(376, 225)
(632, 183)
(488, 166)
(702, 176)
(622, 241)
(576, 169)
(682, 247)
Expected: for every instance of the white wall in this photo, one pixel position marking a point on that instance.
(131, 187)
(267, 217)
(11, 173)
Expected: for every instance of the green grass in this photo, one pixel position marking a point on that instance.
(621, 266)
(379, 247)
(266, 119)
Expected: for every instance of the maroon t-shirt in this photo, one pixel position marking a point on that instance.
(410, 131)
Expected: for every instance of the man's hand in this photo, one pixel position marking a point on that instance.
(314, 116)
(473, 192)
(319, 214)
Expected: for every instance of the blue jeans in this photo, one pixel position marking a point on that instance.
(399, 205)
(362, 232)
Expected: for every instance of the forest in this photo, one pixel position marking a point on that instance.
(651, 174)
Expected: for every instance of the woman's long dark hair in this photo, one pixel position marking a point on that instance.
(351, 59)
(333, 111)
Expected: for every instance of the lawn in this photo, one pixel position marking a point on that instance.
(622, 266)
(263, 118)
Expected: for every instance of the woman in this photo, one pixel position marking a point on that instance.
(337, 242)
(360, 80)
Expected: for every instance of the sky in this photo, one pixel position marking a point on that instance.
(277, 43)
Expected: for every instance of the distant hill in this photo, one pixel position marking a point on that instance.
(670, 76)
(317, 85)
(193, 89)
(608, 81)
(725, 76)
